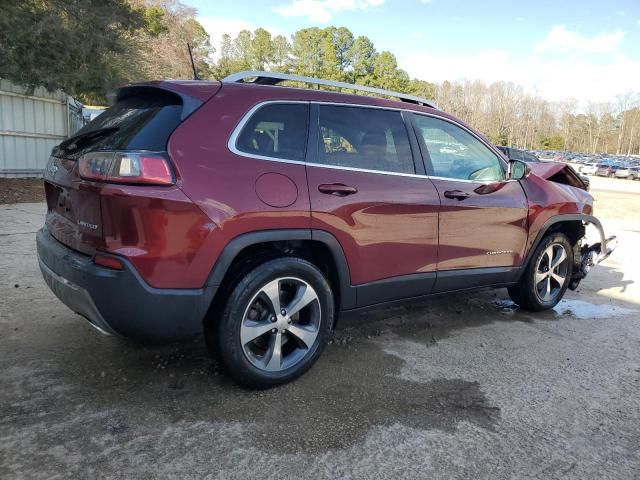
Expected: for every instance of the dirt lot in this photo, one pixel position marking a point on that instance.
(463, 386)
(21, 190)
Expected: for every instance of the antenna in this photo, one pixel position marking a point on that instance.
(193, 65)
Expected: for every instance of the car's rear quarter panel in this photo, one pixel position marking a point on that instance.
(167, 238)
(222, 183)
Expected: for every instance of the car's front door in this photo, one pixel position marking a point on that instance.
(483, 217)
(365, 190)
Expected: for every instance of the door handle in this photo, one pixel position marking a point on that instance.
(457, 194)
(337, 189)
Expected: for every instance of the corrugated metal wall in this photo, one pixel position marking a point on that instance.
(31, 125)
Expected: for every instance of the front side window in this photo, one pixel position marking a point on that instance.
(366, 138)
(457, 154)
(276, 130)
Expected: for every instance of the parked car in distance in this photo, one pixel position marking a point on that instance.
(589, 168)
(607, 169)
(255, 213)
(628, 172)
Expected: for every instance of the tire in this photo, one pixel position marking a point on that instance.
(631, 177)
(260, 347)
(536, 296)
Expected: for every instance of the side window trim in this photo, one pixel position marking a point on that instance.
(233, 139)
(313, 136)
(419, 152)
(418, 163)
(424, 151)
(426, 158)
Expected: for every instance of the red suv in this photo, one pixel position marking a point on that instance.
(255, 213)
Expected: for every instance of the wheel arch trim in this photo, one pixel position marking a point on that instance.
(239, 243)
(570, 217)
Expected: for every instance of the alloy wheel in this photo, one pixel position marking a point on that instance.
(281, 323)
(551, 272)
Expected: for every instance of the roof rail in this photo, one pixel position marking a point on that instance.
(273, 78)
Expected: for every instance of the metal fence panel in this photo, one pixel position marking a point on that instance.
(31, 124)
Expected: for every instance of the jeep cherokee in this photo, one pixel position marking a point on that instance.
(255, 213)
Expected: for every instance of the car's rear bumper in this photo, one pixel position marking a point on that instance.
(119, 301)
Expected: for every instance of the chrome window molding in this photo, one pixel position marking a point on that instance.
(479, 182)
(231, 144)
(365, 170)
(233, 139)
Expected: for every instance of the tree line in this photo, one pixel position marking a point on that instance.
(87, 47)
(508, 115)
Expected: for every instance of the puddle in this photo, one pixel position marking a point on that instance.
(150, 390)
(506, 307)
(587, 311)
(576, 308)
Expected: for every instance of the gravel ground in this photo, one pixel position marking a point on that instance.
(459, 386)
(21, 190)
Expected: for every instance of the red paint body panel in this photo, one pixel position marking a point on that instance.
(71, 201)
(167, 238)
(474, 229)
(547, 199)
(222, 183)
(388, 228)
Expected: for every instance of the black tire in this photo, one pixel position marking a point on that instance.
(238, 362)
(631, 177)
(526, 292)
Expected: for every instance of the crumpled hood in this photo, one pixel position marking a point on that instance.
(559, 173)
(546, 169)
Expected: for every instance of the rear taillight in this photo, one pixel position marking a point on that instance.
(126, 167)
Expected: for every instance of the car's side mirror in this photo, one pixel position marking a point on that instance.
(517, 170)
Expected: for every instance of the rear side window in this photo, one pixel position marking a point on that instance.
(277, 130)
(141, 120)
(367, 138)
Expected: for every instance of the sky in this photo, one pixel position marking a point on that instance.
(560, 50)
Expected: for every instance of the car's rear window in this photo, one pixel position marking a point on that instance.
(143, 120)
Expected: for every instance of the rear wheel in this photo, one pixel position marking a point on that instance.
(546, 278)
(276, 322)
(631, 177)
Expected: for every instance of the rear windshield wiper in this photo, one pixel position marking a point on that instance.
(78, 141)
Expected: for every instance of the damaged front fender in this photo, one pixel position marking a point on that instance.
(585, 255)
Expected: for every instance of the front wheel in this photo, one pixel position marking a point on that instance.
(276, 323)
(547, 276)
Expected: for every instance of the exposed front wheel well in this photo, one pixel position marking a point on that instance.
(573, 229)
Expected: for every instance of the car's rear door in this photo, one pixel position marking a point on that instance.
(366, 191)
(483, 217)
